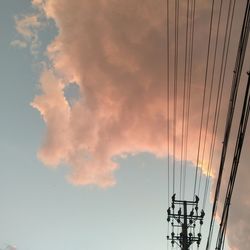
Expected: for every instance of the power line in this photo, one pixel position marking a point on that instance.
(189, 85)
(235, 165)
(223, 67)
(168, 96)
(175, 83)
(204, 94)
(168, 109)
(233, 96)
(184, 96)
(210, 92)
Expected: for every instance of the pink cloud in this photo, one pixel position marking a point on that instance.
(115, 52)
(27, 27)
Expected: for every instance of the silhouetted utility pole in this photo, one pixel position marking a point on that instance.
(187, 222)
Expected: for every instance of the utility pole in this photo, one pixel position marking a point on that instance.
(187, 222)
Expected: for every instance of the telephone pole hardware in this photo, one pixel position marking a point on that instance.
(185, 219)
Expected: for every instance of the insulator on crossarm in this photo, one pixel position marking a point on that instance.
(192, 213)
(179, 212)
(196, 199)
(169, 211)
(202, 213)
(173, 197)
(198, 243)
(172, 242)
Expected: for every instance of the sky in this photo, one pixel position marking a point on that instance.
(83, 125)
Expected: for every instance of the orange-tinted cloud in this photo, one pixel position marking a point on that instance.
(27, 27)
(115, 51)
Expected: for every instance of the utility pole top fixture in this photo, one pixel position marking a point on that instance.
(185, 219)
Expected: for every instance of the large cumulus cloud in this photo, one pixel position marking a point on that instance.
(115, 51)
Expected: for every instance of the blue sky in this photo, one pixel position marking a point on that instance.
(39, 208)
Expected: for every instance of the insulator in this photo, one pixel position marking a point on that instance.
(179, 211)
(190, 234)
(191, 222)
(172, 242)
(178, 220)
(173, 197)
(168, 219)
(172, 234)
(199, 241)
(202, 213)
(201, 222)
(196, 199)
(173, 206)
(169, 210)
(192, 213)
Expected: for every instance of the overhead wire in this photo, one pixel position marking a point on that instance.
(187, 97)
(221, 82)
(227, 39)
(239, 142)
(233, 96)
(175, 85)
(210, 93)
(168, 108)
(237, 154)
(189, 87)
(168, 102)
(204, 96)
(184, 96)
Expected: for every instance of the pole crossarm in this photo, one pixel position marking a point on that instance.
(185, 219)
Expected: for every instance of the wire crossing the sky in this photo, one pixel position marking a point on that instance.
(235, 164)
(204, 95)
(234, 91)
(208, 81)
(224, 62)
